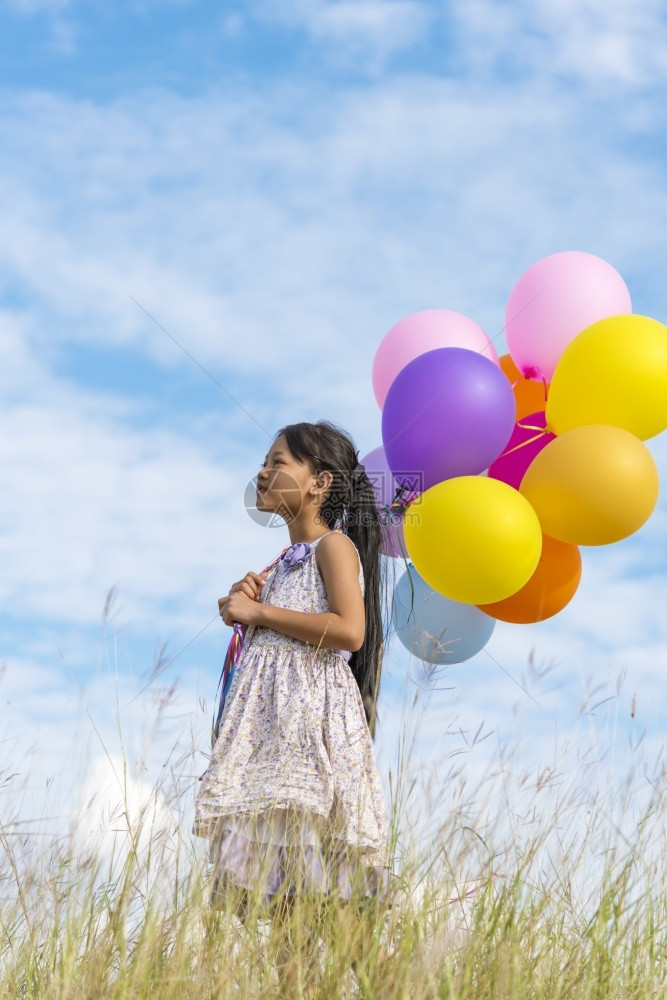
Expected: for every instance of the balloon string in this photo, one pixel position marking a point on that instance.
(523, 444)
(404, 557)
(398, 507)
(522, 378)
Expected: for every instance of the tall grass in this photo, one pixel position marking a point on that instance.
(528, 885)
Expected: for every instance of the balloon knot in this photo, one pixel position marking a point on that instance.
(399, 505)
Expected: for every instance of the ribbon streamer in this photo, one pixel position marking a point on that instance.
(232, 657)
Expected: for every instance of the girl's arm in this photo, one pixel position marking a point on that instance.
(342, 627)
(327, 629)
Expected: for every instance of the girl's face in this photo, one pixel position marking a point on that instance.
(283, 481)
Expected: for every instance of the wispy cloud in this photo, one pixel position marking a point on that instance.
(595, 42)
(233, 227)
(278, 255)
(364, 32)
(361, 221)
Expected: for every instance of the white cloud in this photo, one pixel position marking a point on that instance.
(234, 228)
(366, 32)
(117, 811)
(88, 503)
(94, 774)
(620, 40)
(621, 43)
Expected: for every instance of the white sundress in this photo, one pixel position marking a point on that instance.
(292, 798)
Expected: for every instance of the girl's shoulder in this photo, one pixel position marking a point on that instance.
(334, 537)
(333, 542)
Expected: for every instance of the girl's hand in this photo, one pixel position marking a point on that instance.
(238, 607)
(250, 585)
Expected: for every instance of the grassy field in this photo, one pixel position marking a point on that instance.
(534, 887)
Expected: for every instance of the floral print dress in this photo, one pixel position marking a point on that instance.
(292, 798)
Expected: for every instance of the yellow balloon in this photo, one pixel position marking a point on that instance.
(613, 372)
(593, 485)
(475, 540)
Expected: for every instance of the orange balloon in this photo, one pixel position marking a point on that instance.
(552, 586)
(530, 396)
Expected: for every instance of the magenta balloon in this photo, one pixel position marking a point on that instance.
(553, 301)
(425, 331)
(449, 412)
(385, 487)
(510, 468)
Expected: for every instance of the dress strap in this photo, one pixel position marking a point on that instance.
(324, 536)
(313, 544)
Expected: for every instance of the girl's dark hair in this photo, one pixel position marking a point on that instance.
(350, 504)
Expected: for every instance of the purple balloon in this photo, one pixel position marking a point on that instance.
(385, 487)
(449, 412)
(528, 441)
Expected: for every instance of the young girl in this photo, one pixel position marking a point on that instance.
(291, 800)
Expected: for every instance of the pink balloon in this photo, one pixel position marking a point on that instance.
(553, 301)
(385, 487)
(511, 468)
(425, 331)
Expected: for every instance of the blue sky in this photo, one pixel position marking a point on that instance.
(277, 184)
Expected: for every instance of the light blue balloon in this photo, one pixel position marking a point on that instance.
(437, 629)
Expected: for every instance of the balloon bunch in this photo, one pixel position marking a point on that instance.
(493, 471)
